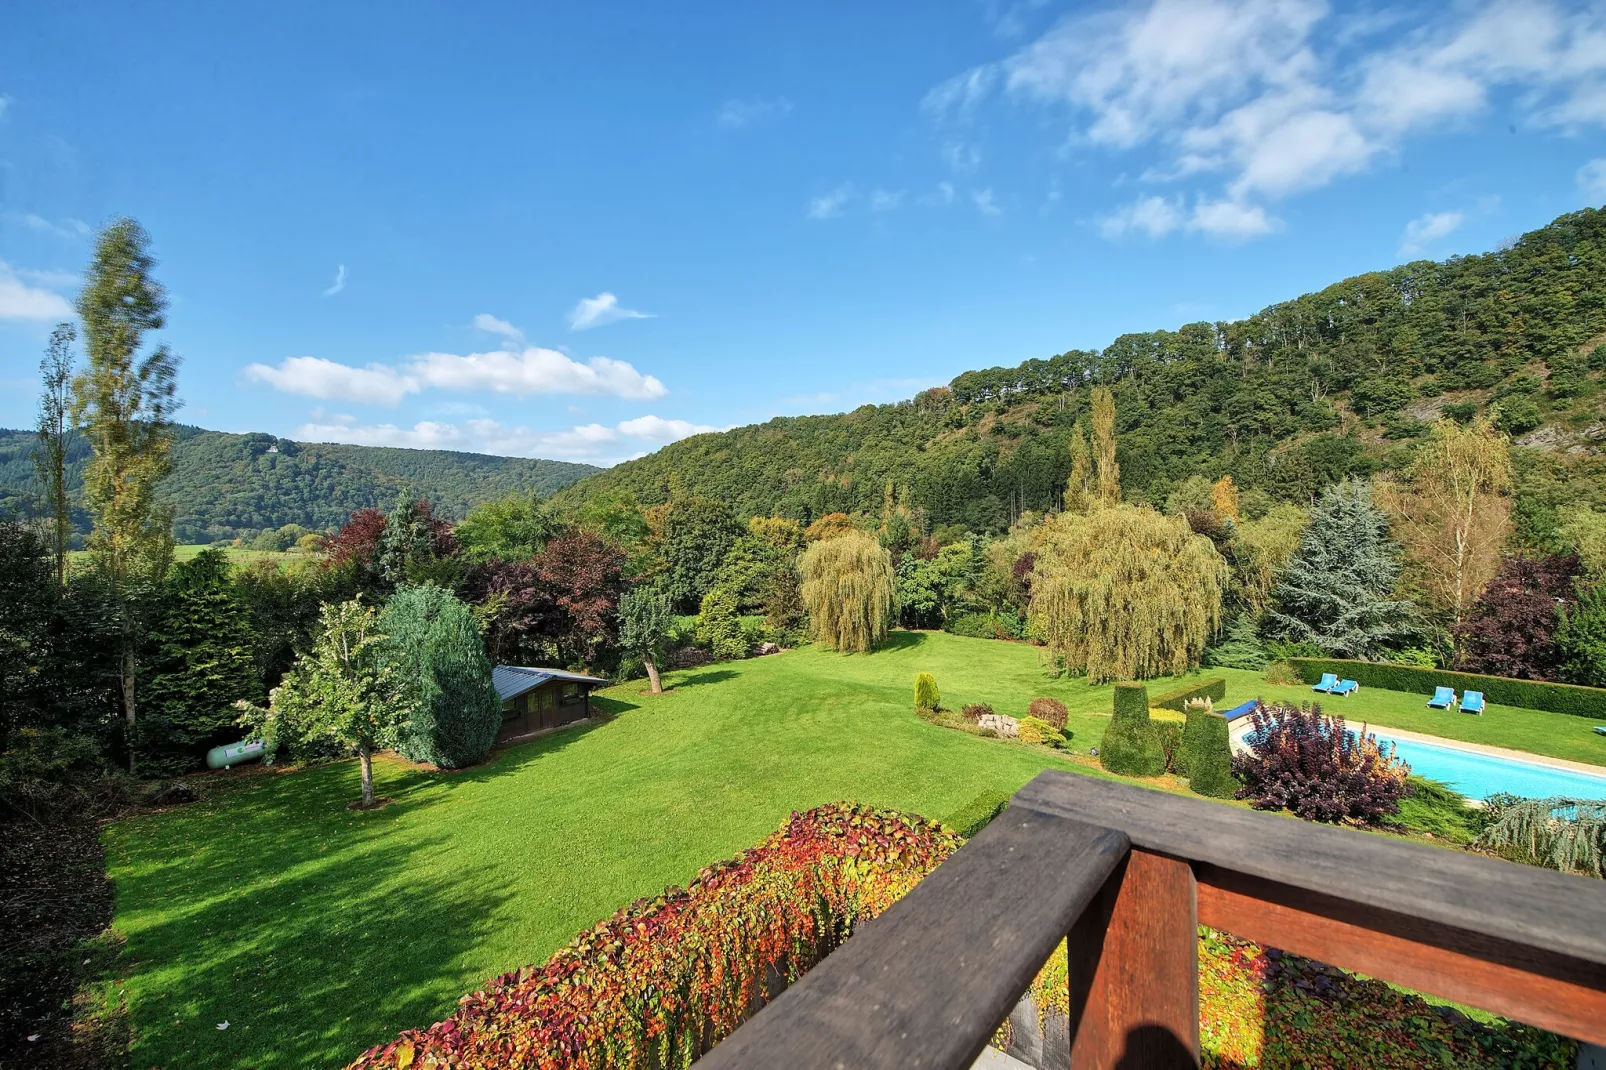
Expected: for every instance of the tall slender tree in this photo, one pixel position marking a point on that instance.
(123, 402)
(50, 459)
(1106, 471)
(1079, 486)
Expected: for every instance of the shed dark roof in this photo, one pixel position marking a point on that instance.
(514, 680)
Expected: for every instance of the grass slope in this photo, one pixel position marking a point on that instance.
(315, 932)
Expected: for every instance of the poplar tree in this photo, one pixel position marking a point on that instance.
(124, 403)
(1106, 471)
(1079, 487)
(848, 589)
(50, 459)
(1124, 592)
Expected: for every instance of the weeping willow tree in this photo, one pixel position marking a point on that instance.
(847, 587)
(1124, 592)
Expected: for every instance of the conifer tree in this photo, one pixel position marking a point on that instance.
(1337, 591)
(433, 643)
(848, 589)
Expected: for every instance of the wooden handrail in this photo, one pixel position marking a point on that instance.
(1128, 873)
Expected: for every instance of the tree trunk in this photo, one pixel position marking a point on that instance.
(126, 680)
(366, 760)
(652, 674)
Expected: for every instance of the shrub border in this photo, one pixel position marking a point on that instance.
(1530, 694)
(1213, 688)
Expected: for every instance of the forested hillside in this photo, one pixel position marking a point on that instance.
(1301, 394)
(224, 485)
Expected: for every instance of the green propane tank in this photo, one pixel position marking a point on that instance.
(234, 754)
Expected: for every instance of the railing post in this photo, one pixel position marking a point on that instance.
(1134, 969)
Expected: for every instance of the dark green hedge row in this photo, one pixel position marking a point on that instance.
(1214, 688)
(1529, 694)
(976, 814)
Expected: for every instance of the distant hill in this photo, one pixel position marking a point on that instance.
(1305, 392)
(225, 485)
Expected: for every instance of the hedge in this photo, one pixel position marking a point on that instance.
(1131, 743)
(1529, 694)
(1213, 688)
(977, 813)
(660, 982)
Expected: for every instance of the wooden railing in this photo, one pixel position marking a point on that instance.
(1128, 874)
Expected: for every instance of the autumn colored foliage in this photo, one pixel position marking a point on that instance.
(1299, 759)
(662, 981)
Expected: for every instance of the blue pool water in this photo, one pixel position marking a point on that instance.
(1478, 776)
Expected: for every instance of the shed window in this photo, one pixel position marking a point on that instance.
(571, 693)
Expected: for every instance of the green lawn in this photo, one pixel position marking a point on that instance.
(315, 932)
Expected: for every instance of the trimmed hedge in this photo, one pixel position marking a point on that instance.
(1213, 688)
(1207, 755)
(1131, 743)
(1529, 694)
(662, 980)
(977, 813)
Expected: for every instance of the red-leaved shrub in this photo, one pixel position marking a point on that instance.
(662, 981)
(976, 711)
(1051, 710)
(1301, 760)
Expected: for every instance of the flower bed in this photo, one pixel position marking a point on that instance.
(662, 981)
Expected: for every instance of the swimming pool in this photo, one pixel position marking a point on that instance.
(1478, 776)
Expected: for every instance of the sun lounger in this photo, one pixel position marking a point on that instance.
(1329, 681)
(1443, 698)
(1472, 702)
(1600, 730)
(1344, 688)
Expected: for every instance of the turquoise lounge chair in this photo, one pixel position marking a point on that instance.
(1472, 702)
(1344, 688)
(1329, 681)
(1443, 698)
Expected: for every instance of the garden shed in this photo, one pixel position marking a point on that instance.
(535, 699)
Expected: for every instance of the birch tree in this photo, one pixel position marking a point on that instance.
(50, 458)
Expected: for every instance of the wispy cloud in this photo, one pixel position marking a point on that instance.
(830, 205)
(67, 228)
(340, 282)
(23, 303)
(1592, 179)
(985, 203)
(491, 325)
(739, 114)
(1154, 217)
(1263, 99)
(1424, 230)
(960, 156)
(517, 370)
(594, 443)
(886, 200)
(601, 310)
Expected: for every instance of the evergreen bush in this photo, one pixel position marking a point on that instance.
(433, 638)
(977, 813)
(1131, 746)
(1207, 755)
(927, 697)
(1033, 730)
(719, 628)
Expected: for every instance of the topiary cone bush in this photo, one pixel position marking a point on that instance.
(1207, 752)
(1130, 746)
(1051, 710)
(927, 697)
(1192, 711)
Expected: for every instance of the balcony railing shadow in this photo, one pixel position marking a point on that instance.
(1128, 875)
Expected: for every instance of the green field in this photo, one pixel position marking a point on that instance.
(315, 932)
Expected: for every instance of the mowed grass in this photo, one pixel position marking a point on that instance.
(316, 932)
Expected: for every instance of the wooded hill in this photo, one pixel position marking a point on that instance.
(226, 485)
(1303, 393)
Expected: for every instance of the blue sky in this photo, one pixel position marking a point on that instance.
(580, 232)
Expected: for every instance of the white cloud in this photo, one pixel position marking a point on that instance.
(601, 310)
(961, 156)
(69, 228)
(1280, 96)
(315, 377)
(596, 443)
(942, 193)
(491, 325)
(340, 282)
(1592, 179)
(30, 304)
(984, 202)
(533, 371)
(1427, 229)
(737, 114)
(830, 205)
(518, 370)
(1154, 217)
